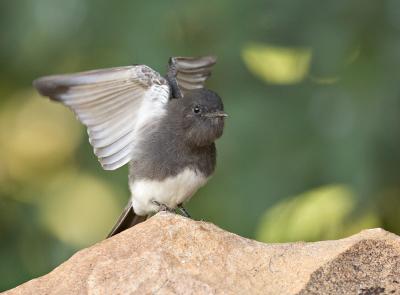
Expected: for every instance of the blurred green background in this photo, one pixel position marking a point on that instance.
(310, 151)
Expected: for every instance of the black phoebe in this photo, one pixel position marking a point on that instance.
(165, 127)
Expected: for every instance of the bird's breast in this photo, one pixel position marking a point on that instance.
(171, 191)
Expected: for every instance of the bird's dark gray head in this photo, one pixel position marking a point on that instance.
(202, 115)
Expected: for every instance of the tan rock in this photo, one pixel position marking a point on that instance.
(170, 254)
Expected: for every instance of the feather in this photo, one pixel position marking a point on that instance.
(110, 103)
(191, 72)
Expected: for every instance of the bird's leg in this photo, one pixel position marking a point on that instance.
(163, 207)
(183, 211)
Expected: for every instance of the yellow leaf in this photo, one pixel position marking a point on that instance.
(276, 64)
(321, 213)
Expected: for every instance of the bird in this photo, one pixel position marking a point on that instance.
(163, 127)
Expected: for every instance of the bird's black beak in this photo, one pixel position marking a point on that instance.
(217, 114)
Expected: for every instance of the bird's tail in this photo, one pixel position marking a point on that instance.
(127, 219)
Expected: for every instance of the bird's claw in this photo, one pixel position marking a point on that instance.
(183, 211)
(163, 207)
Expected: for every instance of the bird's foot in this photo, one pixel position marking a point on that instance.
(183, 211)
(163, 207)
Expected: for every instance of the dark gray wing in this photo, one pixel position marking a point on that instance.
(191, 72)
(114, 104)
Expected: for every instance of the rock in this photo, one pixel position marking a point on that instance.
(170, 254)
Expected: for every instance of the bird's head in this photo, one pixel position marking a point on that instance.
(203, 116)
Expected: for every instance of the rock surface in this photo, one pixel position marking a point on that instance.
(170, 254)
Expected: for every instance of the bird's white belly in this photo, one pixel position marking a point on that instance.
(171, 191)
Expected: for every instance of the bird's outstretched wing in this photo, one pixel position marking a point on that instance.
(191, 72)
(117, 105)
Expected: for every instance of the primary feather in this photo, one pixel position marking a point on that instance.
(116, 105)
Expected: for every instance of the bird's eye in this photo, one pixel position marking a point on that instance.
(196, 110)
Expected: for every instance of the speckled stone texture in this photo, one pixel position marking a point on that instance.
(170, 254)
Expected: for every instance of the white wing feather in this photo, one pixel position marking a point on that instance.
(116, 105)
